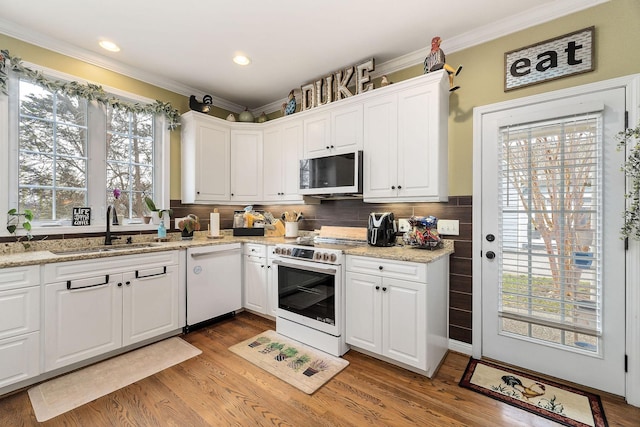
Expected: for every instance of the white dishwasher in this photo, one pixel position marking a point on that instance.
(214, 282)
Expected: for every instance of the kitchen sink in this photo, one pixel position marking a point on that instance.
(104, 248)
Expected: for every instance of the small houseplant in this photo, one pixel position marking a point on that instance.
(16, 220)
(188, 225)
(156, 214)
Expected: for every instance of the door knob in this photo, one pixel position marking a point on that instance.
(490, 237)
(491, 255)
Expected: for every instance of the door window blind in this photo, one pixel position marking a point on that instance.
(550, 224)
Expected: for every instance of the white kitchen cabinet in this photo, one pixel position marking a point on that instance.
(246, 165)
(206, 157)
(336, 130)
(93, 308)
(405, 134)
(272, 284)
(397, 310)
(19, 324)
(255, 278)
(282, 154)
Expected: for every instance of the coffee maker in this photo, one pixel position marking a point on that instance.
(381, 230)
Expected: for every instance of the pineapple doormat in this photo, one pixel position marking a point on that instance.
(560, 403)
(301, 366)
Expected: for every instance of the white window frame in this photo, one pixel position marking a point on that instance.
(96, 187)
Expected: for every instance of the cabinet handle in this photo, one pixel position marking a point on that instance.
(106, 282)
(384, 289)
(164, 271)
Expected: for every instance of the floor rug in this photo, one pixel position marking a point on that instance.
(67, 392)
(301, 366)
(563, 404)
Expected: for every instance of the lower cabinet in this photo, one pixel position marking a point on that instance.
(259, 280)
(19, 324)
(94, 310)
(397, 310)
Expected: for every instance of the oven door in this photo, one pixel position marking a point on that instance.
(310, 294)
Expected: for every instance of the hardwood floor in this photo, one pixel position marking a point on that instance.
(218, 388)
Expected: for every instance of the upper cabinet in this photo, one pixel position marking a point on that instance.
(335, 130)
(282, 153)
(206, 155)
(405, 142)
(246, 165)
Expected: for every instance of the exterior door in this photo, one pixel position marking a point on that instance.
(553, 264)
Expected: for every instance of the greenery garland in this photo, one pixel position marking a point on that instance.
(631, 168)
(87, 91)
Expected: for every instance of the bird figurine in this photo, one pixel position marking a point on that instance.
(534, 390)
(201, 107)
(385, 81)
(289, 107)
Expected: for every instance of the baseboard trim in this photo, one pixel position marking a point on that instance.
(460, 347)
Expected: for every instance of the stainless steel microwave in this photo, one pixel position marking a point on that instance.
(336, 174)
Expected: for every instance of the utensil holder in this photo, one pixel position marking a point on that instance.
(290, 229)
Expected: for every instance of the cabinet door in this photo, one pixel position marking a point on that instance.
(150, 303)
(19, 311)
(291, 155)
(84, 322)
(363, 304)
(274, 163)
(380, 147)
(346, 129)
(317, 135)
(20, 358)
(212, 154)
(418, 143)
(272, 284)
(404, 325)
(246, 165)
(255, 284)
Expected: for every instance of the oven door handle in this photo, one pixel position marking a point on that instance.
(306, 267)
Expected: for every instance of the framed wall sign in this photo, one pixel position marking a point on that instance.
(81, 216)
(552, 59)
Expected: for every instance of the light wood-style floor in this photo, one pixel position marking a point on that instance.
(218, 388)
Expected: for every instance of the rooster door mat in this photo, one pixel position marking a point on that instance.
(301, 366)
(560, 403)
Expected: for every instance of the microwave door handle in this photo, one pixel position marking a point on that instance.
(374, 236)
(306, 267)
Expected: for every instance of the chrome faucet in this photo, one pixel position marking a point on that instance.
(108, 237)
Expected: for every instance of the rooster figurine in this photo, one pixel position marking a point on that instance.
(289, 107)
(534, 390)
(201, 107)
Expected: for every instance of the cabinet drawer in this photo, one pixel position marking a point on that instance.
(254, 249)
(19, 277)
(19, 311)
(403, 270)
(20, 358)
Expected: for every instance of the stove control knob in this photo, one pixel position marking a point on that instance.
(333, 258)
(317, 256)
(325, 257)
(289, 251)
(277, 250)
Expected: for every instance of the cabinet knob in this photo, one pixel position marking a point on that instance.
(197, 192)
(262, 266)
(327, 147)
(232, 194)
(332, 147)
(399, 187)
(268, 266)
(377, 288)
(119, 284)
(380, 267)
(384, 289)
(393, 187)
(127, 283)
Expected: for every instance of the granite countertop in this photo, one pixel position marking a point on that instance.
(43, 252)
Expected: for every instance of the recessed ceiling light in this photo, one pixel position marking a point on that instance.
(241, 60)
(110, 46)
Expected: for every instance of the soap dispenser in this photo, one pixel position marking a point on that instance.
(162, 231)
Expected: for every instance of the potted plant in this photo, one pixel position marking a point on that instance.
(16, 220)
(188, 225)
(157, 214)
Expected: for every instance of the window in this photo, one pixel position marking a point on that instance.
(550, 220)
(66, 152)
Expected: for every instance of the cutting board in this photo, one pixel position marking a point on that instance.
(351, 233)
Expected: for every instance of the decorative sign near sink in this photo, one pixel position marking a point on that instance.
(81, 216)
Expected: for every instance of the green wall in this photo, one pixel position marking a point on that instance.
(617, 26)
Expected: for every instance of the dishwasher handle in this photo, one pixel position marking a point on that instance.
(226, 252)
